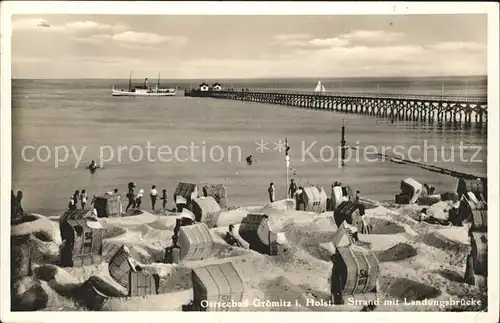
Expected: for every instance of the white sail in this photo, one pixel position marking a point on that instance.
(319, 87)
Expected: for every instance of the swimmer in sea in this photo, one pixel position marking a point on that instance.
(249, 160)
(92, 167)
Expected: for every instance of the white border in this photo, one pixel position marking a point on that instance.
(246, 8)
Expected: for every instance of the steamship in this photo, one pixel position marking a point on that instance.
(145, 90)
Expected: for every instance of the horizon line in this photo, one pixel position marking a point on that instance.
(253, 78)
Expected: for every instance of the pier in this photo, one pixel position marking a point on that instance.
(422, 108)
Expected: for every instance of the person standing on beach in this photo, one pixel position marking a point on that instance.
(153, 194)
(271, 190)
(13, 205)
(76, 195)
(298, 198)
(164, 198)
(130, 196)
(292, 189)
(83, 199)
(461, 188)
(16, 210)
(357, 196)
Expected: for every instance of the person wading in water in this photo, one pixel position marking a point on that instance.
(92, 167)
(249, 160)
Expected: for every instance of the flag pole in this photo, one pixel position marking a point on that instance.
(287, 164)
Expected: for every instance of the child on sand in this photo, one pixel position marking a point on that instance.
(71, 204)
(153, 194)
(119, 196)
(230, 238)
(425, 190)
(164, 198)
(83, 199)
(138, 199)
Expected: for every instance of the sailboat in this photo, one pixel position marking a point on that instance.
(319, 88)
(145, 90)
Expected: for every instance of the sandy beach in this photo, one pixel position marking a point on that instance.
(421, 265)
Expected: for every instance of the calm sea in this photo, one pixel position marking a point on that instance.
(82, 114)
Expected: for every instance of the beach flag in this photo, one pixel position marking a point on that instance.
(287, 158)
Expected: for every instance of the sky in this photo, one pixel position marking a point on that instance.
(193, 47)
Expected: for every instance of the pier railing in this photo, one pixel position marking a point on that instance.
(409, 107)
(404, 96)
(393, 96)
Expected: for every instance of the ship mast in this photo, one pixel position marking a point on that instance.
(130, 82)
(158, 82)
